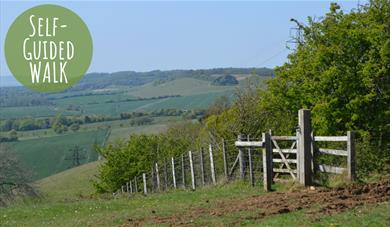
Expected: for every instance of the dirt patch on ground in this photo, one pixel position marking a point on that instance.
(323, 200)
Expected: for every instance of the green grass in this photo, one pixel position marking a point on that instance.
(68, 200)
(71, 211)
(31, 111)
(181, 86)
(70, 183)
(125, 132)
(47, 155)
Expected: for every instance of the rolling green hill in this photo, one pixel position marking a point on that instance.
(49, 155)
(181, 86)
(69, 183)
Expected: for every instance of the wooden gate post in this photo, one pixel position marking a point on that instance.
(267, 162)
(241, 158)
(131, 187)
(173, 173)
(351, 165)
(192, 170)
(251, 176)
(225, 159)
(304, 148)
(212, 168)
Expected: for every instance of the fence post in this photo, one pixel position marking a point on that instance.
(192, 170)
(241, 158)
(127, 187)
(225, 159)
(152, 179)
(267, 162)
(131, 187)
(145, 186)
(157, 177)
(314, 163)
(202, 166)
(304, 147)
(165, 174)
(351, 165)
(135, 184)
(173, 173)
(183, 171)
(252, 179)
(212, 168)
(122, 189)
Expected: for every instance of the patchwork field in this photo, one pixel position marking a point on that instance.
(193, 94)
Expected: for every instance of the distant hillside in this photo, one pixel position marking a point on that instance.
(180, 86)
(132, 79)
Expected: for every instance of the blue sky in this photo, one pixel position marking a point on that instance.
(145, 36)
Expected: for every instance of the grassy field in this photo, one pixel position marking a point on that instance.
(48, 155)
(67, 201)
(181, 86)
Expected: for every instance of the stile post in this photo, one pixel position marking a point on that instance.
(212, 169)
(201, 166)
(351, 165)
(241, 158)
(267, 162)
(304, 148)
(225, 159)
(192, 170)
(145, 184)
(183, 171)
(173, 173)
(157, 177)
(252, 179)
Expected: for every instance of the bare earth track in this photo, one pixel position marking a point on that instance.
(319, 200)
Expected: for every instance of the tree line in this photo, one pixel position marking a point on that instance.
(61, 123)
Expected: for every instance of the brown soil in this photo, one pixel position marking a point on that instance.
(318, 200)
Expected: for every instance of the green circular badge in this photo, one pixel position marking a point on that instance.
(48, 48)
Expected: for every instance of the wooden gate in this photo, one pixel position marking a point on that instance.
(285, 160)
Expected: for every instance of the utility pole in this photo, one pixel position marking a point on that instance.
(76, 155)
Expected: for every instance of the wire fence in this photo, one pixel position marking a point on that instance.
(210, 165)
